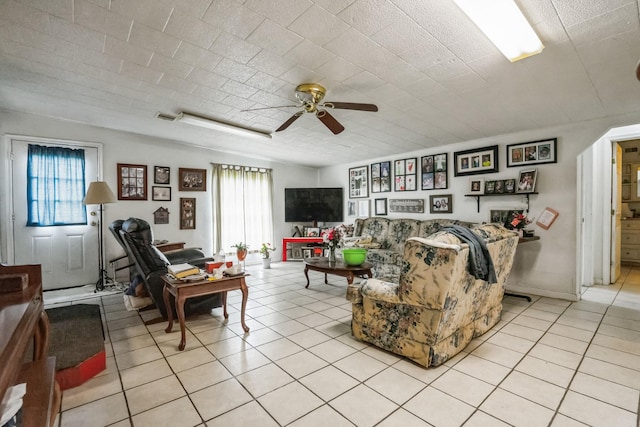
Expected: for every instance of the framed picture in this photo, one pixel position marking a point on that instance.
(161, 193)
(132, 182)
(161, 175)
(381, 206)
(546, 218)
(532, 153)
(527, 181)
(499, 189)
(440, 204)
(381, 177)
(476, 161)
(363, 208)
(161, 216)
(405, 174)
(351, 208)
(489, 187)
(187, 213)
(311, 232)
(192, 179)
(296, 253)
(434, 172)
(501, 216)
(509, 185)
(406, 205)
(306, 253)
(358, 182)
(476, 186)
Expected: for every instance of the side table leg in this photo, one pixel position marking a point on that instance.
(168, 308)
(245, 295)
(224, 304)
(326, 282)
(306, 274)
(180, 310)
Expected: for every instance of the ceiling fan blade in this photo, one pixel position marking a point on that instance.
(351, 106)
(330, 122)
(291, 120)
(269, 108)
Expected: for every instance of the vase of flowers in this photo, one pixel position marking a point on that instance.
(241, 250)
(332, 239)
(264, 251)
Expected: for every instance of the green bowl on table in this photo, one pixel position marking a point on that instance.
(354, 256)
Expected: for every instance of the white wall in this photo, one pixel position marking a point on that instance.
(546, 267)
(122, 147)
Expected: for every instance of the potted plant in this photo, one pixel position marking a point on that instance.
(264, 251)
(241, 250)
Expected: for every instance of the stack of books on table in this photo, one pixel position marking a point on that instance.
(180, 271)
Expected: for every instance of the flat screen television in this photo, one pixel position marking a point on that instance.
(313, 205)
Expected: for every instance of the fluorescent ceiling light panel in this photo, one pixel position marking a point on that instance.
(505, 25)
(205, 122)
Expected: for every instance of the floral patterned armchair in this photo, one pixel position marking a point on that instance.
(437, 307)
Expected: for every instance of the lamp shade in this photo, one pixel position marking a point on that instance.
(98, 193)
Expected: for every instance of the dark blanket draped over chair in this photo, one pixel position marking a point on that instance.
(136, 237)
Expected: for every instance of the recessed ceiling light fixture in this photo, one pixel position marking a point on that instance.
(505, 25)
(208, 123)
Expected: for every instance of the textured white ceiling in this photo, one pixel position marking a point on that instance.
(435, 78)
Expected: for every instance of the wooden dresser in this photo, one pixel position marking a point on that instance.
(23, 321)
(630, 249)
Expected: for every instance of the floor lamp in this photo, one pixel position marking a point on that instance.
(99, 193)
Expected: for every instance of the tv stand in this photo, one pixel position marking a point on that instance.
(290, 246)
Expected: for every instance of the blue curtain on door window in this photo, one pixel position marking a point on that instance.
(55, 186)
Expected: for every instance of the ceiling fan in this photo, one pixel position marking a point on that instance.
(310, 95)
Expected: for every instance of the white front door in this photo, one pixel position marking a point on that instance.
(68, 254)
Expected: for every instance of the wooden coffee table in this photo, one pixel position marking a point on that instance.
(182, 290)
(338, 268)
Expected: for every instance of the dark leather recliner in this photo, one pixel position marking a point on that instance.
(151, 264)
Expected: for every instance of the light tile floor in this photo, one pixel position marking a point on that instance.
(548, 362)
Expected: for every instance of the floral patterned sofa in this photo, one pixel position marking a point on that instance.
(386, 239)
(437, 307)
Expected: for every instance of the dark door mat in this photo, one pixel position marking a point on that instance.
(77, 342)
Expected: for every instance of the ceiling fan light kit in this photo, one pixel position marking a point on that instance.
(505, 26)
(208, 123)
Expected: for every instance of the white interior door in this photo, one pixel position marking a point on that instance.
(616, 212)
(68, 254)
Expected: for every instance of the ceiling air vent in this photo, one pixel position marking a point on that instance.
(166, 117)
(631, 150)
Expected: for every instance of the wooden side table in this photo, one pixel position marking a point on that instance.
(183, 290)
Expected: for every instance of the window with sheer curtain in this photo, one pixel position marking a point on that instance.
(55, 186)
(242, 206)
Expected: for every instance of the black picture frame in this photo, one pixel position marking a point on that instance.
(358, 182)
(192, 179)
(381, 177)
(532, 153)
(405, 174)
(476, 161)
(434, 170)
(380, 206)
(161, 193)
(161, 175)
(440, 203)
(132, 182)
(187, 213)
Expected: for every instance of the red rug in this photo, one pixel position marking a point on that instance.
(77, 341)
